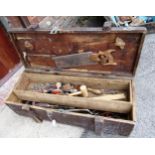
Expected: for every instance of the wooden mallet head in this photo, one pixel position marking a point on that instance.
(84, 90)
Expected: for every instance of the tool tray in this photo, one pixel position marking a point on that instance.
(100, 58)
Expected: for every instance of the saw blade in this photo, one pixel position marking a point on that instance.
(74, 60)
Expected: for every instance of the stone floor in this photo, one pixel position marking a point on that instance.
(13, 125)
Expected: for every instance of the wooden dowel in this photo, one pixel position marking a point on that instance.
(109, 97)
(79, 102)
(95, 91)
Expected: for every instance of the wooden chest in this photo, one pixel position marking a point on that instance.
(102, 60)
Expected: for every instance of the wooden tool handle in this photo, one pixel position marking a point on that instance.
(109, 97)
(75, 93)
(95, 91)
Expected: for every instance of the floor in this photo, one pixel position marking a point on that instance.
(13, 125)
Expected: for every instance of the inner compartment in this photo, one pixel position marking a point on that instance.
(95, 86)
(112, 95)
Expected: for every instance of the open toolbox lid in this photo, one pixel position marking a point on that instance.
(108, 52)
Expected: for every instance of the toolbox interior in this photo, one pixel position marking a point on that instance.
(95, 83)
(14, 100)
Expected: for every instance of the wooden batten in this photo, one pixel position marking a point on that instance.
(88, 103)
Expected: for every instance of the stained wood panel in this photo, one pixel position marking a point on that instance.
(108, 125)
(8, 55)
(3, 70)
(41, 42)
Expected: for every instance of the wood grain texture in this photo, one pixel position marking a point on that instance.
(82, 102)
(99, 83)
(98, 124)
(8, 55)
(40, 61)
(86, 103)
(117, 127)
(14, 22)
(81, 40)
(81, 30)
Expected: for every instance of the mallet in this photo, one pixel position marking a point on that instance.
(83, 91)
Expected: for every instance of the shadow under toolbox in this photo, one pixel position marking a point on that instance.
(78, 76)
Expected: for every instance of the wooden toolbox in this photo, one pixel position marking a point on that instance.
(100, 63)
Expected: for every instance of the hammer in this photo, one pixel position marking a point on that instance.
(83, 91)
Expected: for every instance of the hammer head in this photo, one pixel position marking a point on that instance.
(84, 91)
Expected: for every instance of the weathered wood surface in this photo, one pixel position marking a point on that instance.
(111, 97)
(81, 102)
(8, 55)
(81, 30)
(150, 27)
(92, 82)
(102, 125)
(40, 46)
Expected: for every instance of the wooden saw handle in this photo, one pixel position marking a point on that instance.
(104, 57)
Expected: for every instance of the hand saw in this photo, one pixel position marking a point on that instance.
(74, 60)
